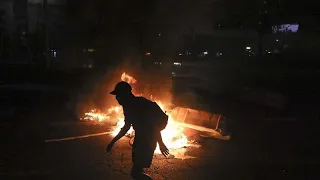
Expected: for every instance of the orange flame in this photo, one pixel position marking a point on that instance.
(172, 135)
(125, 77)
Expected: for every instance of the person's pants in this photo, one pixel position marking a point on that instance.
(138, 173)
(142, 157)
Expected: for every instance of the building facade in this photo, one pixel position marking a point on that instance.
(26, 24)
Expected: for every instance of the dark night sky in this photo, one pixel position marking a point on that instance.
(180, 16)
(175, 16)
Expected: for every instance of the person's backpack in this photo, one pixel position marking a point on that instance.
(158, 117)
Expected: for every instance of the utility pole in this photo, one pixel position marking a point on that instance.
(46, 38)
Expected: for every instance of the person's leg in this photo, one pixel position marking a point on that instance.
(142, 156)
(139, 163)
(137, 168)
(136, 171)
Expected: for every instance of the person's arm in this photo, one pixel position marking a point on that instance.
(163, 148)
(159, 138)
(121, 133)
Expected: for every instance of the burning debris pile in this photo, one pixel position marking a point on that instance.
(173, 135)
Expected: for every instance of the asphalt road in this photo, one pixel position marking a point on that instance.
(25, 155)
(257, 150)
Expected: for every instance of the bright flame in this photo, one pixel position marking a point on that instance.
(125, 77)
(173, 135)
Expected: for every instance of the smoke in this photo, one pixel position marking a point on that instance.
(94, 94)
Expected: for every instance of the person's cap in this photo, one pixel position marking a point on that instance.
(121, 88)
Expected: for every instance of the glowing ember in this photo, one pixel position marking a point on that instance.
(172, 135)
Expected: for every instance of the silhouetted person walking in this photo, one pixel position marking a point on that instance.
(143, 115)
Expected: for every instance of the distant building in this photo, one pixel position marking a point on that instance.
(23, 26)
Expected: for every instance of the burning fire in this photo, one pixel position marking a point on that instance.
(172, 135)
(125, 77)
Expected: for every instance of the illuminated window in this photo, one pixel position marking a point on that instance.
(285, 28)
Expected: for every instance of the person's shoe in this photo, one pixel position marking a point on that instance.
(141, 176)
